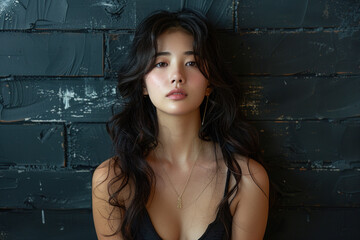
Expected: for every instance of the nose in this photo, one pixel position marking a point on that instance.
(177, 75)
(176, 81)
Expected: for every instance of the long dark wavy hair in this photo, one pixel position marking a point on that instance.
(134, 130)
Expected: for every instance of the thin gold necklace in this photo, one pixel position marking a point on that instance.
(179, 196)
(202, 191)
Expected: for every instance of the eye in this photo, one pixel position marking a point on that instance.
(161, 64)
(192, 64)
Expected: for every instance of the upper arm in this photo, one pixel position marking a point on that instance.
(106, 217)
(252, 203)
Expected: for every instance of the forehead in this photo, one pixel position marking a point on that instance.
(175, 39)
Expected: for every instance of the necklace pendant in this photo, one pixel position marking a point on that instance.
(179, 203)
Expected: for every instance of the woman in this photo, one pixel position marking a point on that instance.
(186, 164)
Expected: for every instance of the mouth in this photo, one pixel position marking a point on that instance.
(176, 94)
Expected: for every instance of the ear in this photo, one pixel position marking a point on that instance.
(208, 91)
(145, 91)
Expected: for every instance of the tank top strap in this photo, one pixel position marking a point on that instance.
(227, 183)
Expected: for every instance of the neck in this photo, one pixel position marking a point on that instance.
(178, 138)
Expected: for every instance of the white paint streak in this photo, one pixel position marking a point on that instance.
(51, 120)
(78, 99)
(66, 97)
(107, 4)
(104, 4)
(78, 171)
(42, 216)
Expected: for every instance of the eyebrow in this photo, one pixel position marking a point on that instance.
(187, 53)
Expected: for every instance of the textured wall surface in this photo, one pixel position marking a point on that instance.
(297, 60)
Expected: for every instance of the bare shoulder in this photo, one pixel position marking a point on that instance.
(251, 203)
(104, 172)
(103, 183)
(254, 175)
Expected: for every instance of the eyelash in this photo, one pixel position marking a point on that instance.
(193, 64)
(161, 64)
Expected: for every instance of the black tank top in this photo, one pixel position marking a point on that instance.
(143, 229)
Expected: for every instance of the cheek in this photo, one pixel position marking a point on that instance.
(202, 82)
(152, 82)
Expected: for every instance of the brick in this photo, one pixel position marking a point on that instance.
(51, 54)
(57, 99)
(63, 14)
(100, 14)
(313, 223)
(36, 188)
(313, 188)
(47, 224)
(297, 14)
(89, 144)
(32, 144)
(320, 52)
(311, 144)
(300, 97)
(119, 47)
(220, 13)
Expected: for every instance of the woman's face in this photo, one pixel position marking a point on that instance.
(175, 85)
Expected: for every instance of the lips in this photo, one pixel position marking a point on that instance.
(176, 94)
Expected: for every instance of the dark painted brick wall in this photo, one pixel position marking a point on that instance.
(298, 62)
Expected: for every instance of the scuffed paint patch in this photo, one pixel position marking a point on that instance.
(66, 97)
(326, 11)
(3, 235)
(15, 14)
(252, 107)
(57, 100)
(90, 92)
(349, 13)
(46, 134)
(252, 100)
(113, 7)
(7, 5)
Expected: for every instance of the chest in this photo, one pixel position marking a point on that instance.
(199, 206)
